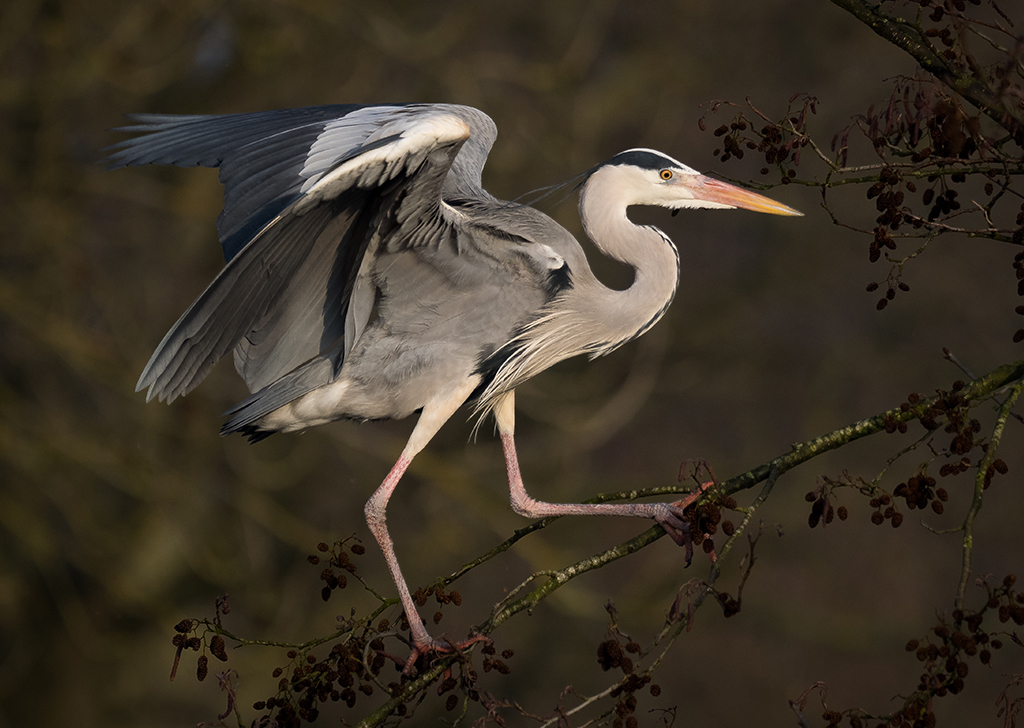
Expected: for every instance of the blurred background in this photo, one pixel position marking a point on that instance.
(118, 518)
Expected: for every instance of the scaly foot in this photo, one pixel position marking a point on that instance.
(673, 520)
(428, 645)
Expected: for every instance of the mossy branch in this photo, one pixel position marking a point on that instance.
(976, 390)
(1011, 375)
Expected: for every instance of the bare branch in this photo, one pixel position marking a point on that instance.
(910, 38)
(985, 468)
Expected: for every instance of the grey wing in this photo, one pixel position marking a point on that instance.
(305, 193)
(268, 159)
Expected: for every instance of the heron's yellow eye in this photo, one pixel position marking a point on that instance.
(666, 174)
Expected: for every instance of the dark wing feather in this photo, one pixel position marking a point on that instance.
(261, 155)
(257, 284)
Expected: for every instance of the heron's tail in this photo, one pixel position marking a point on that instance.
(247, 417)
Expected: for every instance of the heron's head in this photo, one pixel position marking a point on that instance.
(647, 177)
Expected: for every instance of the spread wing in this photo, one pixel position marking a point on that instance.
(307, 193)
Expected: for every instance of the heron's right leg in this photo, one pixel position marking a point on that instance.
(433, 416)
(668, 515)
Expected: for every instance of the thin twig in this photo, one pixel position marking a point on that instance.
(979, 487)
(948, 355)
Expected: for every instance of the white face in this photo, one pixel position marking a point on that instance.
(677, 186)
(685, 188)
(673, 185)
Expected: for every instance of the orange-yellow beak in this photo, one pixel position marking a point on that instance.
(724, 194)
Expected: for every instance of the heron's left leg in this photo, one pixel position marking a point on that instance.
(434, 415)
(668, 515)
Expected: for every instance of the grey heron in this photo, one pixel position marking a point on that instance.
(370, 276)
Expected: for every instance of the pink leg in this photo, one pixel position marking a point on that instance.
(668, 515)
(376, 519)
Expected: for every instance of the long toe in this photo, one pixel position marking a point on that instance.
(675, 524)
(678, 529)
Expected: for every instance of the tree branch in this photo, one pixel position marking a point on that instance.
(979, 486)
(909, 38)
(1007, 375)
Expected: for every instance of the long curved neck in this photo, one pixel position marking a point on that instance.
(652, 255)
(587, 317)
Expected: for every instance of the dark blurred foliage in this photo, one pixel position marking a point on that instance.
(119, 519)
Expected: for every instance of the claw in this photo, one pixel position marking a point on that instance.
(678, 530)
(422, 649)
(675, 523)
